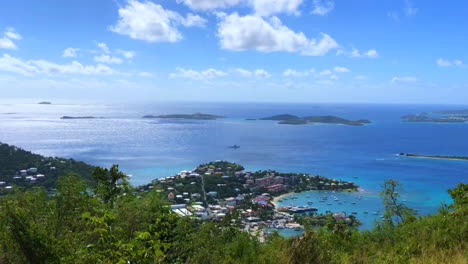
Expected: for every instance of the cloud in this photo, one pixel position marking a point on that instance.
(12, 34)
(197, 75)
(295, 73)
(325, 72)
(446, 63)
(31, 67)
(6, 42)
(128, 54)
(104, 58)
(360, 77)
(270, 7)
(409, 10)
(152, 23)
(209, 4)
(145, 74)
(322, 7)
(254, 33)
(405, 79)
(340, 69)
(70, 53)
(261, 73)
(103, 47)
(372, 53)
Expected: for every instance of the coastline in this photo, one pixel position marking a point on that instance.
(277, 198)
(411, 155)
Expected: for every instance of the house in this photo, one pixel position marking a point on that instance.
(32, 170)
(179, 196)
(196, 196)
(265, 181)
(213, 194)
(170, 196)
(276, 187)
(231, 201)
(23, 172)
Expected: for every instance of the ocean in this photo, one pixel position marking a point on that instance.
(153, 148)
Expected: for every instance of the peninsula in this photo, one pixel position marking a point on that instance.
(198, 116)
(434, 156)
(452, 112)
(287, 119)
(45, 103)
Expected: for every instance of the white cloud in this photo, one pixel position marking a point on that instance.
(197, 75)
(12, 34)
(103, 47)
(145, 74)
(6, 42)
(151, 22)
(372, 53)
(128, 54)
(295, 73)
(12, 64)
(446, 63)
(270, 7)
(406, 79)
(15, 65)
(254, 33)
(322, 7)
(209, 4)
(409, 10)
(104, 58)
(340, 69)
(70, 53)
(443, 63)
(193, 20)
(360, 77)
(244, 72)
(261, 73)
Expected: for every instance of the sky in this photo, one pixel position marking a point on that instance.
(361, 51)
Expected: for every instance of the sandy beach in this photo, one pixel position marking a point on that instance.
(275, 200)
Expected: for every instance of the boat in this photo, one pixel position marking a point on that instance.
(309, 202)
(353, 202)
(297, 229)
(366, 212)
(279, 227)
(234, 146)
(280, 200)
(354, 212)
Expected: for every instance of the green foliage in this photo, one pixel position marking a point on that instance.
(14, 159)
(74, 226)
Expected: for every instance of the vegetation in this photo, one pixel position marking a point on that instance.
(199, 116)
(111, 223)
(434, 156)
(14, 159)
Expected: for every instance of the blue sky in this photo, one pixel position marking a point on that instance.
(394, 51)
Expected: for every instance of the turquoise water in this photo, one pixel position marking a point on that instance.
(150, 149)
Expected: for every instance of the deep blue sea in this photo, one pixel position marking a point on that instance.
(150, 149)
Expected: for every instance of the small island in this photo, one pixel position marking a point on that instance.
(197, 116)
(44, 103)
(78, 117)
(287, 119)
(434, 156)
(452, 112)
(426, 118)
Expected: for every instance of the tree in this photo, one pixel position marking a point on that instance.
(393, 207)
(110, 183)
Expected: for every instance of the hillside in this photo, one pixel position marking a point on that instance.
(13, 160)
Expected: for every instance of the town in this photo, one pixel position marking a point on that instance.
(221, 189)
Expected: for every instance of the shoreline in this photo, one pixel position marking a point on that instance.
(411, 155)
(277, 198)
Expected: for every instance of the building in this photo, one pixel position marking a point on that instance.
(231, 201)
(170, 196)
(265, 181)
(276, 187)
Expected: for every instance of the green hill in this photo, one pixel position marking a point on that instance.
(14, 159)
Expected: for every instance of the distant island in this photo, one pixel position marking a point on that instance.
(198, 116)
(79, 117)
(452, 112)
(434, 156)
(45, 103)
(287, 119)
(424, 117)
